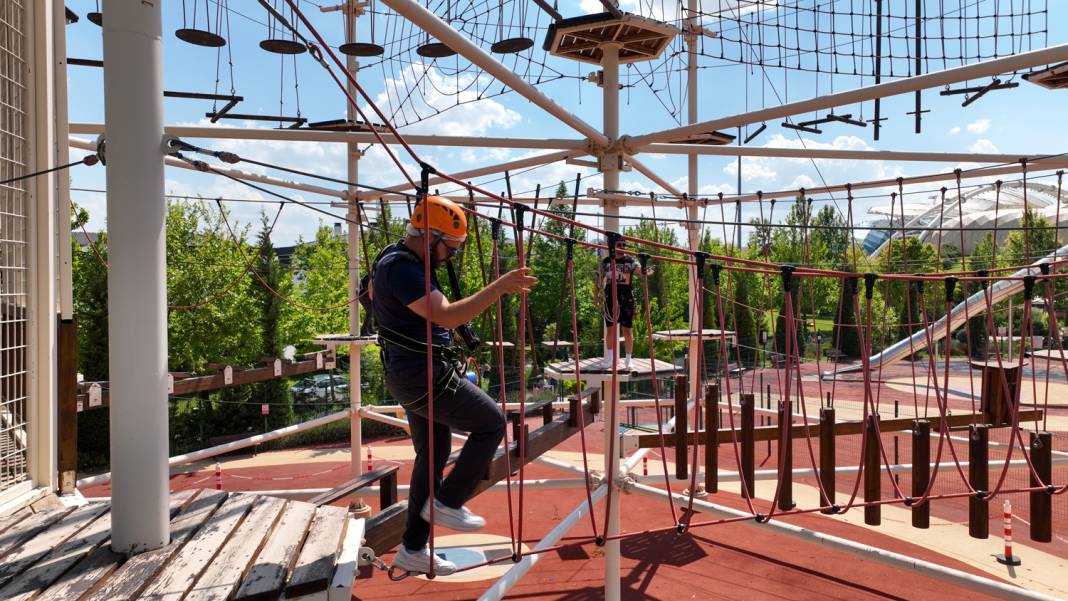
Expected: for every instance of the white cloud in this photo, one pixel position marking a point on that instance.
(979, 127)
(983, 145)
(954, 131)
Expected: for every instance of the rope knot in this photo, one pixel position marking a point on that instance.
(950, 286)
(700, 258)
(787, 274)
(1029, 286)
(716, 269)
(869, 284)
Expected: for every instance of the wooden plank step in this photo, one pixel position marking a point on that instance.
(132, 577)
(348, 562)
(348, 488)
(315, 564)
(101, 561)
(267, 576)
(15, 517)
(48, 569)
(28, 528)
(175, 580)
(45, 540)
(224, 574)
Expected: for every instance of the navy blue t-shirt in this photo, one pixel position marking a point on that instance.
(398, 282)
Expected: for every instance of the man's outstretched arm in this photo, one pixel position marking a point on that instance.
(456, 313)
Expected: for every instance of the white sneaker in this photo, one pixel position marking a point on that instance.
(626, 363)
(419, 562)
(454, 519)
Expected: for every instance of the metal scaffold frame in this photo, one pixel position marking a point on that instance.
(137, 148)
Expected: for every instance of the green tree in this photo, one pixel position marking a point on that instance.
(271, 392)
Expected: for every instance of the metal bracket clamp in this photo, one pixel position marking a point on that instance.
(625, 483)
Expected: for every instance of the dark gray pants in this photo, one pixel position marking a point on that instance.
(466, 409)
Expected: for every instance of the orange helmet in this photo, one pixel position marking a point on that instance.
(445, 217)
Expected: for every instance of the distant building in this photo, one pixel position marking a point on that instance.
(982, 209)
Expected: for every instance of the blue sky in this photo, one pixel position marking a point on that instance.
(1025, 120)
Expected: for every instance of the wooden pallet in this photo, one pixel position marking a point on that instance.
(590, 370)
(223, 546)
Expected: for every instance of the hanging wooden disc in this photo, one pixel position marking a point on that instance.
(361, 49)
(512, 45)
(278, 46)
(96, 19)
(434, 50)
(199, 37)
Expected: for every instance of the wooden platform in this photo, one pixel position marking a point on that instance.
(331, 341)
(223, 546)
(589, 370)
(707, 335)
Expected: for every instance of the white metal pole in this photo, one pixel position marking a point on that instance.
(853, 155)
(355, 388)
(220, 132)
(236, 173)
(692, 289)
(62, 157)
(1008, 64)
(505, 583)
(234, 445)
(610, 167)
(429, 22)
(985, 172)
(137, 278)
(652, 175)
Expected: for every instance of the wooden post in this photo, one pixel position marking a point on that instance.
(979, 476)
(387, 490)
(746, 402)
(711, 441)
(517, 423)
(573, 408)
(872, 476)
(681, 428)
(1042, 501)
(547, 413)
(827, 463)
(786, 454)
(67, 453)
(921, 471)
(595, 401)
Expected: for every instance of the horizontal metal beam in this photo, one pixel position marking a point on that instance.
(1008, 64)
(1044, 165)
(852, 155)
(236, 173)
(345, 137)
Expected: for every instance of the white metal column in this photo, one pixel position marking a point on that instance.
(355, 388)
(692, 229)
(137, 274)
(610, 168)
(62, 157)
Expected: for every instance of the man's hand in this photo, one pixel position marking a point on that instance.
(515, 281)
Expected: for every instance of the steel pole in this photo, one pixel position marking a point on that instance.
(137, 278)
(610, 168)
(693, 290)
(349, 9)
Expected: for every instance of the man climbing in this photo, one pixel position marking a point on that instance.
(621, 312)
(399, 305)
